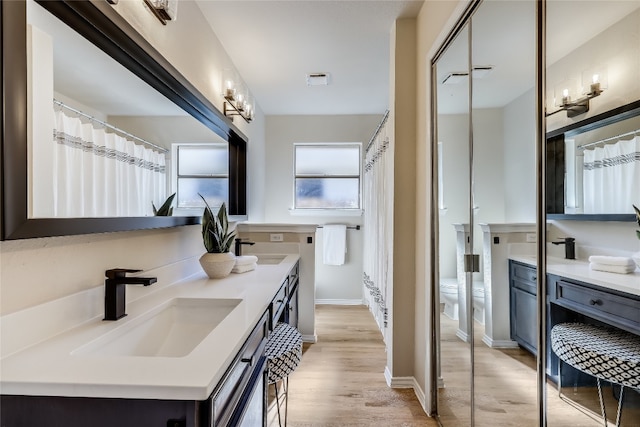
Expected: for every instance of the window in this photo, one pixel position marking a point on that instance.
(203, 169)
(327, 176)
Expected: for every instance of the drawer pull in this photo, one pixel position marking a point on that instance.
(534, 278)
(595, 302)
(280, 300)
(249, 360)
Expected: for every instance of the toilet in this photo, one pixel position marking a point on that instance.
(449, 297)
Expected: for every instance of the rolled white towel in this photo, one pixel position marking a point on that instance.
(246, 259)
(612, 260)
(243, 268)
(619, 269)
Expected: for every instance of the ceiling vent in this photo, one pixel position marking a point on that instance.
(317, 79)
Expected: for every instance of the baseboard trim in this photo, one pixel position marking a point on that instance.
(499, 343)
(339, 302)
(407, 382)
(310, 338)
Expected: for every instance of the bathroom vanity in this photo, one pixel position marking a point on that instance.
(208, 370)
(574, 294)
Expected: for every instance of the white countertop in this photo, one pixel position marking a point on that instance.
(49, 368)
(579, 270)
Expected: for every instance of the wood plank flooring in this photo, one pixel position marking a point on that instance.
(506, 391)
(340, 381)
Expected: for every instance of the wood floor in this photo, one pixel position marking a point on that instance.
(340, 381)
(506, 391)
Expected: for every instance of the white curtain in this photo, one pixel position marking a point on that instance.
(103, 174)
(612, 178)
(378, 226)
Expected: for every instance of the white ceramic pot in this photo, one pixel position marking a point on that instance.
(218, 266)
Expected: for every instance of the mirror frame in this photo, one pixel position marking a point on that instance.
(99, 23)
(556, 167)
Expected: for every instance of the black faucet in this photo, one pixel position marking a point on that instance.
(114, 290)
(239, 243)
(569, 248)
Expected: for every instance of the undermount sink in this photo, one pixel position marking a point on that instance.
(270, 259)
(173, 329)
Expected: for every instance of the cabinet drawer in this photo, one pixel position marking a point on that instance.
(278, 304)
(227, 396)
(524, 277)
(617, 310)
(524, 272)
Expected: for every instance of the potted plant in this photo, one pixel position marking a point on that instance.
(219, 260)
(166, 209)
(636, 256)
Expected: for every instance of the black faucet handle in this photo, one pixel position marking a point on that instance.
(118, 273)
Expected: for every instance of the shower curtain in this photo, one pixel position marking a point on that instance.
(378, 225)
(103, 174)
(612, 178)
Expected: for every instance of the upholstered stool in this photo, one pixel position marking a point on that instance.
(609, 354)
(283, 351)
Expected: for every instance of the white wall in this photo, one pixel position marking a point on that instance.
(333, 283)
(618, 48)
(520, 159)
(489, 178)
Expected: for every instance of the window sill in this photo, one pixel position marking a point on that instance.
(325, 212)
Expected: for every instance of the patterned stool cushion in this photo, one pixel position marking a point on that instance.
(609, 354)
(283, 351)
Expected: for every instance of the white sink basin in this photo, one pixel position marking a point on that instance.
(270, 259)
(173, 329)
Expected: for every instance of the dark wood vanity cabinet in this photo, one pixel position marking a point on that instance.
(238, 400)
(241, 394)
(292, 296)
(284, 307)
(523, 305)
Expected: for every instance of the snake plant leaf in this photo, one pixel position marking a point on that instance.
(165, 209)
(215, 229)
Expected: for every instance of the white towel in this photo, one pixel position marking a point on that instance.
(243, 268)
(612, 260)
(619, 269)
(334, 244)
(246, 259)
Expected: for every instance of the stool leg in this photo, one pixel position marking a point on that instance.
(286, 399)
(278, 404)
(559, 377)
(604, 413)
(619, 416)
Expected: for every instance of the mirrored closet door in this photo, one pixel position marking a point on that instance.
(486, 139)
(593, 181)
(454, 211)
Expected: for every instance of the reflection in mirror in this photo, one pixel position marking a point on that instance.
(452, 85)
(586, 308)
(608, 53)
(588, 176)
(503, 113)
(112, 132)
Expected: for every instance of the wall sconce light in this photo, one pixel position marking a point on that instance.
(164, 10)
(593, 83)
(237, 103)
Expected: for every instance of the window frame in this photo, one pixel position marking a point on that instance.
(175, 172)
(358, 145)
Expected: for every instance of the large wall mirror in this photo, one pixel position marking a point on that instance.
(78, 68)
